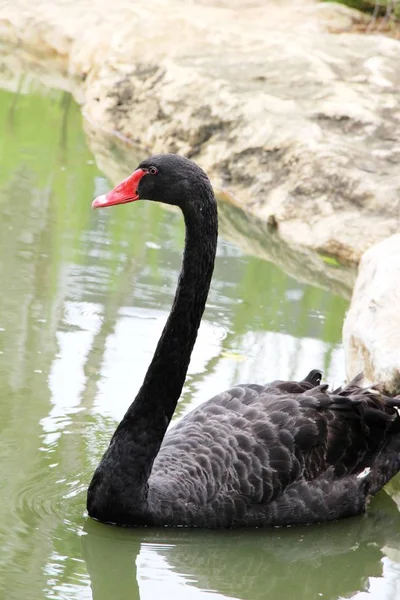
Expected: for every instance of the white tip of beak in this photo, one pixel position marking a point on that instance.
(99, 201)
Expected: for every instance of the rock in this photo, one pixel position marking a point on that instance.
(300, 125)
(254, 236)
(371, 332)
(340, 18)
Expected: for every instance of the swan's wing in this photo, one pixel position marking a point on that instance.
(254, 442)
(346, 429)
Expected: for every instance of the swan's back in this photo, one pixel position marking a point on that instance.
(284, 453)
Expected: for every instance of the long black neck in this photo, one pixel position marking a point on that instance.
(162, 386)
(166, 375)
(138, 437)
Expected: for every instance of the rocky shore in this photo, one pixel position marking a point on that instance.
(297, 125)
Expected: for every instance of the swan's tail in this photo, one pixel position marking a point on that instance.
(379, 409)
(378, 428)
(314, 377)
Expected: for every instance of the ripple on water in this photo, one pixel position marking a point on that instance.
(46, 495)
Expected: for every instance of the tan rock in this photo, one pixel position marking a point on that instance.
(300, 125)
(371, 332)
(253, 235)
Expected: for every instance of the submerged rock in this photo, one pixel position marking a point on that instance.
(371, 332)
(301, 125)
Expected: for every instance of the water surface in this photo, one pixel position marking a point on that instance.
(84, 298)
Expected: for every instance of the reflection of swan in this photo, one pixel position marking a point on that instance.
(285, 453)
(333, 560)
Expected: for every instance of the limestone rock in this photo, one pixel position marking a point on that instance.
(371, 332)
(253, 235)
(300, 125)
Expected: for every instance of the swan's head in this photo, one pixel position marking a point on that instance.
(166, 178)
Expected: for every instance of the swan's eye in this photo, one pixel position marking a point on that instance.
(153, 171)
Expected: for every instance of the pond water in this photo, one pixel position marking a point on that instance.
(84, 298)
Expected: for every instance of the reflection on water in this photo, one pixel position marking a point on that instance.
(299, 563)
(84, 298)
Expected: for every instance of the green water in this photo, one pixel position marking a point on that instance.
(84, 296)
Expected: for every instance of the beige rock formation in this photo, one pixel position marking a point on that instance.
(248, 232)
(371, 332)
(301, 126)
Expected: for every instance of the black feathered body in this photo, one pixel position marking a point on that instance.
(286, 453)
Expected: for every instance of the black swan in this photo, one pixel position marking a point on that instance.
(285, 453)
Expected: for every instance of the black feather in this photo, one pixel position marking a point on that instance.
(314, 377)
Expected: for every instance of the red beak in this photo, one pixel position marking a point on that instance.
(124, 192)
